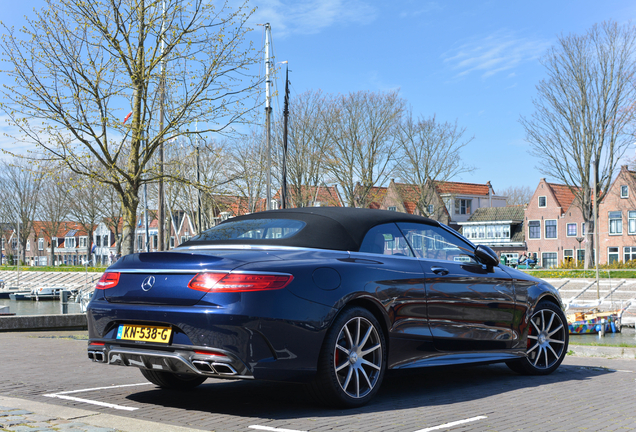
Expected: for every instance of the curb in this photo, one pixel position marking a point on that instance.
(603, 351)
(93, 418)
(43, 322)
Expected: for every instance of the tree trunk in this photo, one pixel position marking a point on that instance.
(53, 252)
(130, 203)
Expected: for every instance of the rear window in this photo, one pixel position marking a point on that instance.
(255, 229)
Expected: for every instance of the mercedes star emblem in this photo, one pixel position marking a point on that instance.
(148, 283)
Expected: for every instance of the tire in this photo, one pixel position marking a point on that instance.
(170, 380)
(548, 337)
(352, 360)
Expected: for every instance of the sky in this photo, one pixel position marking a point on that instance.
(467, 61)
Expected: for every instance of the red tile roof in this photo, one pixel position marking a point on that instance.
(376, 196)
(461, 188)
(563, 194)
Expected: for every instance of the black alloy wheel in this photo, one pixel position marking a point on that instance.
(548, 337)
(352, 361)
(169, 380)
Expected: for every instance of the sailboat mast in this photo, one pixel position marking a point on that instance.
(268, 114)
(285, 119)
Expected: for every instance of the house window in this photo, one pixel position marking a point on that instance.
(98, 241)
(568, 255)
(550, 229)
(14, 244)
(182, 240)
(431, 209)
(631, 222)
(392, 208)
(40, 244)
(534, 229)
(171, 241)
(582, 228)
(612, 255)
(615, 223)
(2, 243)
(140, 242)
(624, 191)
(462, 206)
(629, 253)
(571, 230)
(83, 241)
(155, 240)
(543, 201)
(28, 245)
(549, 259)
(69, 242)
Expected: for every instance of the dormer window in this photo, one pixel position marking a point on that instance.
(543, 202)
(624, 191)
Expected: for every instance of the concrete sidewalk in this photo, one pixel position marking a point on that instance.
(23, 415)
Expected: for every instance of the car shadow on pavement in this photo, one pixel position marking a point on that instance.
(430, 387)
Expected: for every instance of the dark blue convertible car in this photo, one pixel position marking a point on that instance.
(332, 297)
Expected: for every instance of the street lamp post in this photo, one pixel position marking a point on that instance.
(578, 239)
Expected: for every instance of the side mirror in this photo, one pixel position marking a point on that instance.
(487, 256)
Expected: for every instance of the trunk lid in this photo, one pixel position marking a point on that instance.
(161, 278)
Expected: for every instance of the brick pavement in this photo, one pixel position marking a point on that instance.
(584, 394)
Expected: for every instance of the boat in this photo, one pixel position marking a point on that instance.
(48, 293)
(593, 322)
(20, 295)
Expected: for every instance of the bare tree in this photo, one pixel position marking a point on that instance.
(517, 195)
(113, 214)
(361, 128)
(86, 207)
(78, 65)
(54, 204)
(430, 152)
(584, 113)
(248, 169)
(19, 195)
(307, 144)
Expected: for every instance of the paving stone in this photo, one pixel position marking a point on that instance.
(12, 420)
(14, 412)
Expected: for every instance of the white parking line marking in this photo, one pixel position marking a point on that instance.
(88, 401)
(451, 424)
(268, 428)
(62, 395)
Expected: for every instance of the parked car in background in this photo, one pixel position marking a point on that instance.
(332, 297)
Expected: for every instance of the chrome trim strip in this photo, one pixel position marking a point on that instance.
(179, 271)
(374, 255)
(257, 247)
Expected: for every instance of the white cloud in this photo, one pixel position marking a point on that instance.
(497, 52)
(423, 9)
(288, 17)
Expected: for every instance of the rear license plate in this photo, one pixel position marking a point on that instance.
(144, 333)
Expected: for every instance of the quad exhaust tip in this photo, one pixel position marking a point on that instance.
(214, 367)
(97, 356)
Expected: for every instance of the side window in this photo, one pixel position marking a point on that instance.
(386, 240)
(434, 242)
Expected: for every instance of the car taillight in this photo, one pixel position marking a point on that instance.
(108, 280)
(238, 282)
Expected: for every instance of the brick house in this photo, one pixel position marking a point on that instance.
(500, 228)
(447, 202)
(617, 219)
(554, 225)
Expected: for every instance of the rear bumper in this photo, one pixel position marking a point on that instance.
(176, 361)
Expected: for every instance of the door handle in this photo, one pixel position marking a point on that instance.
(439, 270)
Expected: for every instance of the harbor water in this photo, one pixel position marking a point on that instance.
(30, 307)
(626, 336)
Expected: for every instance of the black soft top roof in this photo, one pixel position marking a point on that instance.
(337, 228)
